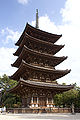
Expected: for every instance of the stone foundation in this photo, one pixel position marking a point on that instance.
(40, 110)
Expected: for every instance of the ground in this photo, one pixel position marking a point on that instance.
(57, 116)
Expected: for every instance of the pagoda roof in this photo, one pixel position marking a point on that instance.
(55, 48)
(25, 68)
(24, 84)
(24, 54)
(45, 36)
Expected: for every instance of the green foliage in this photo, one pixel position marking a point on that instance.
(77, 100)
(70, 96)
(67, 98)
(8, 99)
(6, 83)
(58, 99)
(63, 83)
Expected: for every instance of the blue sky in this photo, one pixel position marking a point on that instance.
(14, 14)
(55, 16)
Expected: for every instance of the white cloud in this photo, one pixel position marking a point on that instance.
(8, 35)
(70, 29)
(71, 35)
(71, 12)
(23, 1)
(47, 25)
(6, 59)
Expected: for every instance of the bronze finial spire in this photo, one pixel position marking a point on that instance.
(37, 22)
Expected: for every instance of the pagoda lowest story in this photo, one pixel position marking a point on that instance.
(36, 73)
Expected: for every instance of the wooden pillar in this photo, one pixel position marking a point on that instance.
(32, 100)
(24, 102)
(52, 101)
(47, 100)
(37, 100)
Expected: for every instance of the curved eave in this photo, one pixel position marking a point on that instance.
(52, 37)
(38, 40)
(41, 32)
(40, 85)
(55, 48)
(21, 37)
(24, 67)
(23, 55)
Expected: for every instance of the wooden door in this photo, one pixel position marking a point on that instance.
(42, 101)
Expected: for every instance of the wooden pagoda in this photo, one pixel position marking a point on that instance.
(36, 74)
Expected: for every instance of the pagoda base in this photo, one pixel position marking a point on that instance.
(39, 110)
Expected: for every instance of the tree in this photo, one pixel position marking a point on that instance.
(6, 83)
(63, 83)
(77, 103)
(66, 99)
(58, 100)
(8, 99)
(70, 97)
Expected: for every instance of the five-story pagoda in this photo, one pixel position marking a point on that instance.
(36, 62)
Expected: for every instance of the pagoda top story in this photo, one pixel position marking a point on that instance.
(38, 34)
